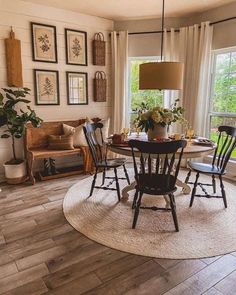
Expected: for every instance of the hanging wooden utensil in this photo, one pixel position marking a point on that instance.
(100, 86)
(13, 61)
(99, 50)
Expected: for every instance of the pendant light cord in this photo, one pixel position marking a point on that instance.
(162, 28)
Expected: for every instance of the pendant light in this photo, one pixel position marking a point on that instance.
(161, 75)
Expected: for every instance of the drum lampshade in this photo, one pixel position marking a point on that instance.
(161, 75)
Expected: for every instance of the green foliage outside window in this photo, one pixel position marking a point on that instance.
(151, 98)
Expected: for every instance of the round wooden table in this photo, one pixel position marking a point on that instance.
(191, 151)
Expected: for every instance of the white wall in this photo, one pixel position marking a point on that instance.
(224, 33)
(149, 45)
(19, 14)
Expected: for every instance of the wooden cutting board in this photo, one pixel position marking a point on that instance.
(13, 61)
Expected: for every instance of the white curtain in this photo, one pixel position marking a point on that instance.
(120, 107)
(192, 46)
(171, 53)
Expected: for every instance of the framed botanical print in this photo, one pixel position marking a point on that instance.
(76, 47)
(44, 43)
(77, 88)
(46, 87)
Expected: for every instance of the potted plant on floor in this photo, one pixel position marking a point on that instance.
(15, 113)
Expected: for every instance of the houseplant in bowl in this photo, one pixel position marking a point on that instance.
(15, 113)
(156, 121)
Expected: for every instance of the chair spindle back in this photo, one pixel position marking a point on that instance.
(157, 158)
(226, 143)
(92, 131)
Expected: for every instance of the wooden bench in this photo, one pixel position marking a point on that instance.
(36, 142)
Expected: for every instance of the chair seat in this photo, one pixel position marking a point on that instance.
(156, 184)
(204, 168)
(112, 163)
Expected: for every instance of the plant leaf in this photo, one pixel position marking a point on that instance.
(1, 99)
(10, 91)
(5, 136)
(9, 96)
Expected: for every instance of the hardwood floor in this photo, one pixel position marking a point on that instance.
(40, 253)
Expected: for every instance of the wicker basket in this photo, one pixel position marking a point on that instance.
(100, 86)
(99, 50)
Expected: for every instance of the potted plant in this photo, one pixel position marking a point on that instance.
(156, 120)
(15, 113)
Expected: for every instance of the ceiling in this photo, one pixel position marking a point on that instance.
(133, 9)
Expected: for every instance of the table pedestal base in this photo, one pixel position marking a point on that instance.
(186, 189)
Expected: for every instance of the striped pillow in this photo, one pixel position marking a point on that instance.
(60, 142)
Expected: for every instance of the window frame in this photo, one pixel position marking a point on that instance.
(211, 96)
(210, 113)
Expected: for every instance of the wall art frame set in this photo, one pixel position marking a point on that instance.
(46, 82)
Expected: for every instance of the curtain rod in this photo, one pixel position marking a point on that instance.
(177, 30)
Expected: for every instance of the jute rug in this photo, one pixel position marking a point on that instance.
(206, 229)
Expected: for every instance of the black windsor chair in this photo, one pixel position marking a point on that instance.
(225, 145)
(159, 168)
(98, 150)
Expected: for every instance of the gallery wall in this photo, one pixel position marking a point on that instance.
(19, 14)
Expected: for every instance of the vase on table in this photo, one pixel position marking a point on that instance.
(158, 132)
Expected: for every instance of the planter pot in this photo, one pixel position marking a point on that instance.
(158, 132)
(15, 173)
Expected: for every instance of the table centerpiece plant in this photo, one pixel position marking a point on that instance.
(156, 121)
(15, 113)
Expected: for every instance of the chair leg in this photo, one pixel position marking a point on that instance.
(214, 183)
(173, 211)
(135, 199)
(117, 184)
(194, 190)
(93, 183)
(188, 176)
(103, 176)
(126, 174)
(136, 213)
(223, 191)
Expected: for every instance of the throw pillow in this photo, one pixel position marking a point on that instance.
(77, 133)
(60, 142)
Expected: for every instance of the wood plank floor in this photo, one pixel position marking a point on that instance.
(40, 253)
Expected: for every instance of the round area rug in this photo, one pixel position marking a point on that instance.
(207, 229)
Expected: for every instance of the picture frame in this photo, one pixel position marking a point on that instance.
(76, 47)
(77, 88)
(44, 43)
(46, 84)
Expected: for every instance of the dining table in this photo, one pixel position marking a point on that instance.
(192, 150)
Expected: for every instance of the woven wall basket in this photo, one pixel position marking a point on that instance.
(99, 50)
(100, 86)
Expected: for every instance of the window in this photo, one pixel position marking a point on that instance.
(222, 110)
(136, 97)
